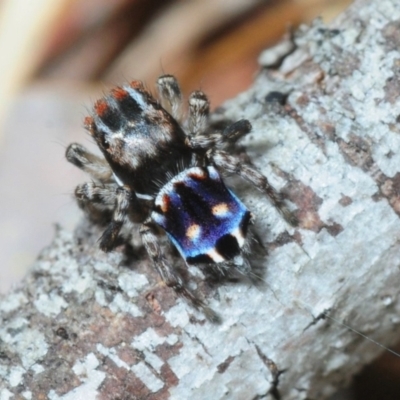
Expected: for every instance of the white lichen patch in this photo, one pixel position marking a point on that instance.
(4, 370)
(29, 344)
(112, 354)
(87, 372)
(245, 374)
(85, 368)
(27, 395)
(12, 302)
(143, 373)
(178, 315)
(50, 304)
(5, 394)
(148, 340)
(100, 297)
(107, 267)
(79, 282)
(182, 366)
(171, 339)
(120, 304)
(131, 282)
(16, 376)
(37, 368)
(153, 360)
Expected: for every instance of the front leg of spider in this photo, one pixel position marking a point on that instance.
(97, 200)
(169, 274)
(93, 165)
(122, 202)
(170, 95)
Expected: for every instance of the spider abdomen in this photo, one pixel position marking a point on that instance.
(205, 220)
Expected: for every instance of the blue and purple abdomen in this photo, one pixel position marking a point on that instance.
(205, 220)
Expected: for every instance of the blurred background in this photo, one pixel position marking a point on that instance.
(58, 56)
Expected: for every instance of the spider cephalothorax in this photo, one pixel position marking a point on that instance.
(163, 171)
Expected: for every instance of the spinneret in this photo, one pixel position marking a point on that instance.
(161, 171)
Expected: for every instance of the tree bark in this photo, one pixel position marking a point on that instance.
(84, 324)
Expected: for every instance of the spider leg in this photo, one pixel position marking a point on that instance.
(233, 132)
(222, 140)
(95, 166)
(97, 200)
(100, 194)
(234, 165)
(122, 204)
(167, 272)
(170, 95)
(199, 110)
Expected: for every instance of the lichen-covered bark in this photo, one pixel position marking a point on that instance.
(84, 324)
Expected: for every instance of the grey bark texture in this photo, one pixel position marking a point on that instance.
(89, 325)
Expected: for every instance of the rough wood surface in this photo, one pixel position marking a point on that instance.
(84, 324)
